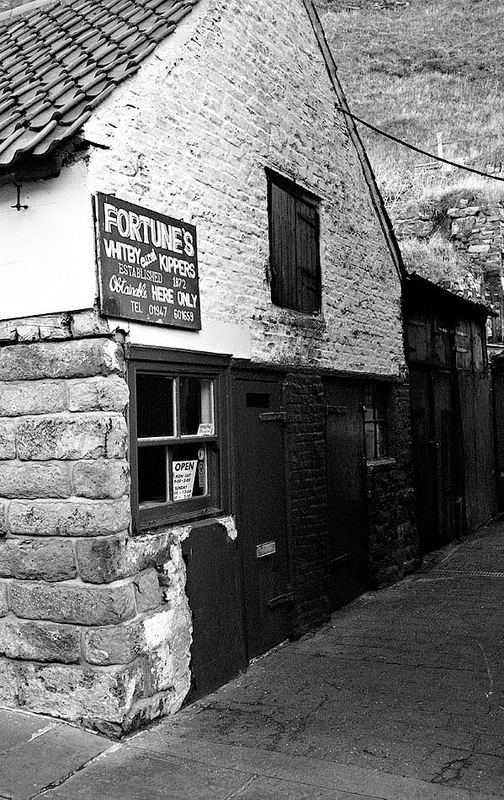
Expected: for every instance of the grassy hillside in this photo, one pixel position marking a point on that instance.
(418, 68)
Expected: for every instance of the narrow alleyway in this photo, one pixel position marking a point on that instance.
(400, 697)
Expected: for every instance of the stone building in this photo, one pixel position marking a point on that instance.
(204, 419)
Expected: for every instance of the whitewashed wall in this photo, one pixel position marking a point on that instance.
(47, 250)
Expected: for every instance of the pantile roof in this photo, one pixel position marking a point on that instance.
(60, 59)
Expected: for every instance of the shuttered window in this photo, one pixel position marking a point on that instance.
(294, 246)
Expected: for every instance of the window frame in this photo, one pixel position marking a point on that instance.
(380, 393)
(278, 279)
(174, 364)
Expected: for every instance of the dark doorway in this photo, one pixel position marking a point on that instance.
(261, 512)
(346, 490)
(436, 457)
(217, 650)
(451, 403)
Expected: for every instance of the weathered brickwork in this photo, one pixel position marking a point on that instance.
(78, 593)
(191, 137)
(393, 538)
(306, 458)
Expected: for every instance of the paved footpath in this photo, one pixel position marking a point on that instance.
(400, 697)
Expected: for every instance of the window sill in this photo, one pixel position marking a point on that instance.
(302, 319)
(381, 463)
(146, 523)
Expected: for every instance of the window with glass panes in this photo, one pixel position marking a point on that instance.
(375, 421)
(176, 442)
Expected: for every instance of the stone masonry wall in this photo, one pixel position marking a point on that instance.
(306, 447)
(476, 230)
(94, 624)
(241, 86)
(393, 539)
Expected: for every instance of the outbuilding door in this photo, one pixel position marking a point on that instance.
(261, 512)
(346, 492)
(436, 457)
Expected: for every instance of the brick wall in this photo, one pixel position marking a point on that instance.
(306, 465)
(393, 538)
(239, 87)
(94, 624)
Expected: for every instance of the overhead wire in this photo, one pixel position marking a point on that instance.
(417, 149)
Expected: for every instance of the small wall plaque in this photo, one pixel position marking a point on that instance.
(266, 549)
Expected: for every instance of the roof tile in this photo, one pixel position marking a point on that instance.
(41, 119)
(61, 60)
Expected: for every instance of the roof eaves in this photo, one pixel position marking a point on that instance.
(77, 63)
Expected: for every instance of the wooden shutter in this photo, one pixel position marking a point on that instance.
(294, 248)
(307, 257)
(283, 247)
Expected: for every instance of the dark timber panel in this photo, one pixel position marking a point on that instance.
(218, 647)
(346, 492)
(259, 434)
(452, 415)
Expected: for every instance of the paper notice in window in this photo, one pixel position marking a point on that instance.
(205, 429)
(183, 479)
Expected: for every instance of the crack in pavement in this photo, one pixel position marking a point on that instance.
(452, 770)
(34, 736)
(64, 778)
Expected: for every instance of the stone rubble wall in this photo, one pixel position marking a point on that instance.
(94, 623)
(476, 231)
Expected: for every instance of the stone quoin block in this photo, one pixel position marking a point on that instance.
(3, 518)
(68, 359)
(88, 323)
(32, 397)
(8, 683)
(121, 644)
(51, 326)
(7, 439)
(39, 641)
(69, 517)
(118, 644)
(162, 667)
(100, 479)
(4, 600)
(80, 693)
(71, 437)
(34, 480)
(32, 559)
(8, 331)
(109, 393)
(147, 590)
(148, 709)
(73, 603)
(107, 559)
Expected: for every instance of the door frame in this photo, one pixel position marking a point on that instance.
(358, 385)
(259, 375)
(427, 543)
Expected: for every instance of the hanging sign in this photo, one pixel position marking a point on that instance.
(183, 479)
(148, 266)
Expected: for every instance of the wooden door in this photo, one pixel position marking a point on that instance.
(445, 458)
(421, 433)
(436, 456)
(261, 512)
(213, 591)
(347, 492)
